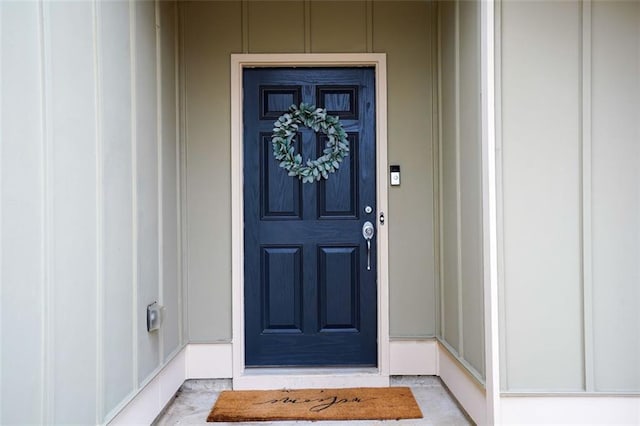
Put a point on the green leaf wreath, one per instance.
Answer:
(285, 131)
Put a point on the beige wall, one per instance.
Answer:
(461, 292)
(570, 298)
(211, 31)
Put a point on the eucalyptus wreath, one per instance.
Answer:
(285, 130)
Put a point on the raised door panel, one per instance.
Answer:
(280, 195)
(338, 196)
(339, 288)
(282, 290)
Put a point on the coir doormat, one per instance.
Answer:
(316, 404)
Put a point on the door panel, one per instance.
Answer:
(339, 288)
(309, 298)
(280, 195)
(338, 196)
(282, 284)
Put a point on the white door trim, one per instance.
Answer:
(242, 378)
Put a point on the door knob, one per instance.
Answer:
(367, 232)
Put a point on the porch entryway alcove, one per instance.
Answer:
(511, 267)
(124, 130)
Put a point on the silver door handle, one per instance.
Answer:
(368, 232)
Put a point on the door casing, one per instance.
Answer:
(244, 379)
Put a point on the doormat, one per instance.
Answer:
(316, 404)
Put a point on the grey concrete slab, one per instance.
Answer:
(195, 399)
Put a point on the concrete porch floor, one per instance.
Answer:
(195, 399)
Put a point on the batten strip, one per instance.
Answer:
(440, 176)
(100, 292)
(436, 137)
(178, 165)
(134, 194)
(48, 343)
(182, 129)
(244, 6)
(1, 233)
(586, 154)
(307, 26)
(159, 170)
(501, 290)
(369, 25)
(458, 182)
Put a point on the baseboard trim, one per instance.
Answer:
(194, 361)
(209, 360)
(413, 357)
(463, 385)
(557, 409)
(151, 399)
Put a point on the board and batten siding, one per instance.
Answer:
(89, 205)
(461, 320)
(210, 33)
(570, 158)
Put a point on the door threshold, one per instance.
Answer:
(309, 378)
(310, 370)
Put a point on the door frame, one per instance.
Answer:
(308, 377)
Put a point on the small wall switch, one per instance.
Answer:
(395, 175)
(154, 317)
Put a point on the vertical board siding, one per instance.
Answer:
(115, 48)
(147, 183)
(471, 278)
(170, 292)
(211, 33)
(214, 30)
(549, 157)
(21, 219)
(402, 30)
(541, 170)
(67, 193)
(74, 210)
(273, 26)
(461, 286)
(350, 17)
(615, 205)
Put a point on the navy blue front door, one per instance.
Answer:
(309, 293)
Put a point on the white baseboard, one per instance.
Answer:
(469, 393)
(578, 410)
(152, 398)
(194, 361)
(207, 361)
(413, 357)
